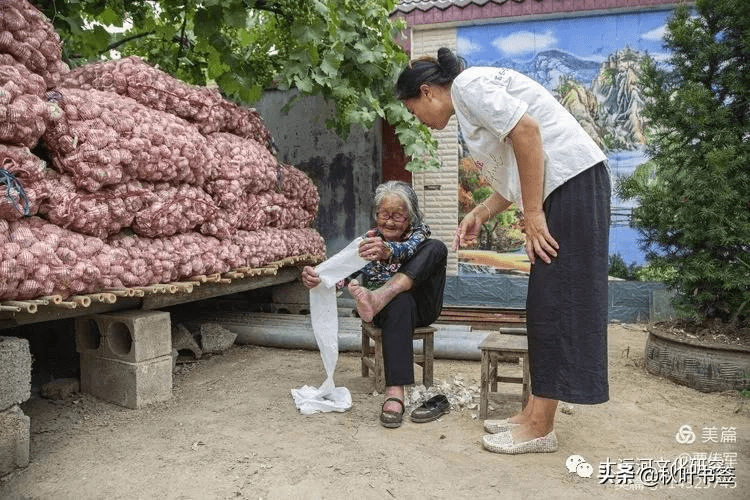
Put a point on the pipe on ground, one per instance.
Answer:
(450, 342)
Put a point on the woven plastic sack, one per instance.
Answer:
(27, 35)
(204, 107)
(24, 113)
(22, 191)
(103, 139)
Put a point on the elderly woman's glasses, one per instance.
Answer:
(384, 216)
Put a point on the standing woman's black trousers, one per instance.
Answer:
(567, 301)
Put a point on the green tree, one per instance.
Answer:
(694, 211)
(344, 50)
(619, 269)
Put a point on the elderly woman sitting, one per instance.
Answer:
(402, 286)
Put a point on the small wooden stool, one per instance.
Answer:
(498, 347)
(372, 354)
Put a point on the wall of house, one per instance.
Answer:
(345, 172)
(438, 190)
(589, 58)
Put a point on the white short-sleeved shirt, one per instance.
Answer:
(489, 102)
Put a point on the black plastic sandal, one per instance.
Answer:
(392, 419)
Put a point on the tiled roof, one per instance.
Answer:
(425, 5)
(418, 12)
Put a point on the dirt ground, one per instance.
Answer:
(231, 430)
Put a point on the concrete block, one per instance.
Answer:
(132, 385)
(14, 440)
(131, 336)
(15, 371)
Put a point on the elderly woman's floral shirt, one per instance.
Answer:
(377, 272)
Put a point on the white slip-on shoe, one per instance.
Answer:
(503, 443)
(497, 426)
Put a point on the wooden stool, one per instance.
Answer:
(372, 354)
(495, 347)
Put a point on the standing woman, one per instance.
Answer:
(536, 155)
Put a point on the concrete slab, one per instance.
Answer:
(291, 293)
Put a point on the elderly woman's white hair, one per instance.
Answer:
(404, 191)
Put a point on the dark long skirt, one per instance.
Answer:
(567, 300)
(419, 306)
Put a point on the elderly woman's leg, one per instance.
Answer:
(397, 321)
(415, 298)
(427, 270)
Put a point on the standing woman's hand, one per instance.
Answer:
(539, 242)
(467, 232)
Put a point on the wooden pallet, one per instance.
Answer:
(155, 296)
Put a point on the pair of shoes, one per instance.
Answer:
(392, 419)
(432, 409)
(504, 443)
(498, 426)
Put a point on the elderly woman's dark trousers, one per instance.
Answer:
(419, 306)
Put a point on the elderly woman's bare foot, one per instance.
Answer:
(368, 304)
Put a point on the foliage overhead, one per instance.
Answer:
(694, 193)
(343, 50)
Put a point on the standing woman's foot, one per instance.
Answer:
(509, 443)
(507, 424)
(498, 426)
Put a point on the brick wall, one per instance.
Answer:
(438, 190)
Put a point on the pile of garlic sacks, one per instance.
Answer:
(152, 180)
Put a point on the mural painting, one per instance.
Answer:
(591, 65)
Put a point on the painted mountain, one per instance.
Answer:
(616, 88)
(604, 97)
(550, 67)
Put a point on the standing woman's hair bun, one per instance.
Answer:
(440, 71)
(450, 64)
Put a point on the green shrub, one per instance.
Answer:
(694, 194)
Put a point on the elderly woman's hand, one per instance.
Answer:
(309, 277)
(374, 247)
